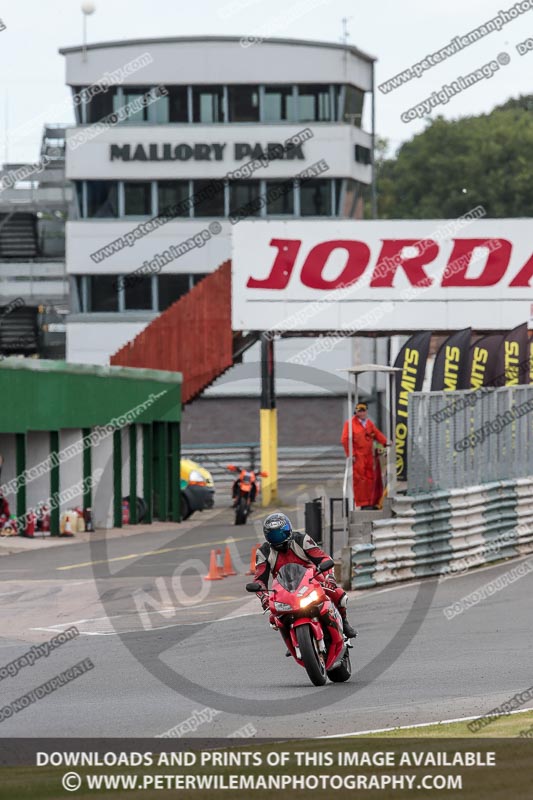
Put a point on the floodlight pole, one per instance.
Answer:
(347, 489)
(87, 8)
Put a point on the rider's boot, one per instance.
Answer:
(347, 629)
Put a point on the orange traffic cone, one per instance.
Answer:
(212, 575)
(228, 566)
(251, 571)
(220, 567)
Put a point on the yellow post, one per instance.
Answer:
(274, 455)
(268, 419)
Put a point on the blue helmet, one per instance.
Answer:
(278, 530)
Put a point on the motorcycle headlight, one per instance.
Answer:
(282, 606)
(311, 598)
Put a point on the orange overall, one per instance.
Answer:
(363, 458)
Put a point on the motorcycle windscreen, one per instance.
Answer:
(290, 576)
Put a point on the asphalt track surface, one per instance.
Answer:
(165, 644)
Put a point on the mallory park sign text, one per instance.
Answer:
(204, 152)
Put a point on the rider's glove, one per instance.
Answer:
(264, 601)
(330, 582)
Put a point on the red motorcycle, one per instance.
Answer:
(245, 489)
(309, 622)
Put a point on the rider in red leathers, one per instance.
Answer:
(285, 546)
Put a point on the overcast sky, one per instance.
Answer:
(398, 32)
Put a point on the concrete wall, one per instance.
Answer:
(71, 470)
(102, 458)
(140, 452)
(9, 471)
(125, 462)
(301, 421)
(324, 374)
(94, 343)
(37, 450)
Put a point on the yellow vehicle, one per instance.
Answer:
(197, 488)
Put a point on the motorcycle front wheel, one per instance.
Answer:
(241, 512)
(313, 661)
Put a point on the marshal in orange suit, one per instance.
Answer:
(363, 434)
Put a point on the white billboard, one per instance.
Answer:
(382, 275)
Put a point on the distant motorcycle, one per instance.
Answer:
(245, 489)
(309, 622)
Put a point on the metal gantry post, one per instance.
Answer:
(20, 444)
(132, 434)
(117, 478)
(175, 490)
(54, 483)
(87, 469)
(268, 422)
